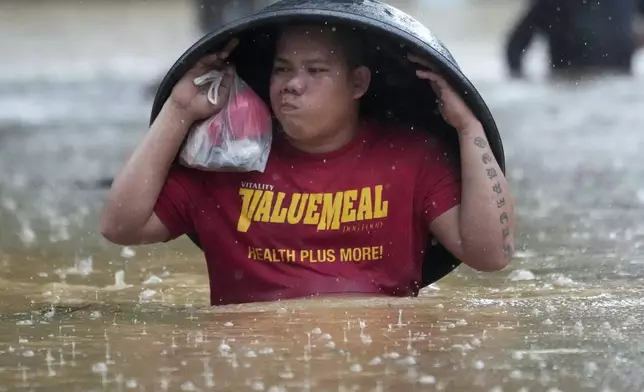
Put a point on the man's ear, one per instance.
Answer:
(361, 79)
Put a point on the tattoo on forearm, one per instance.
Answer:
(503, 218)
(491, 173)
(508, 248)
(497, 188)
(480, 142)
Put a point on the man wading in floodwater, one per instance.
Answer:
(344, 207)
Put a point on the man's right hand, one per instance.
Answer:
(191, 99)
(128, 216)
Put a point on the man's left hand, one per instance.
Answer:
(452, 107)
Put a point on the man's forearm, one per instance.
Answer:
(135, 189)
(487, 211)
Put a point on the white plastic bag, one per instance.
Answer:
(238, 138)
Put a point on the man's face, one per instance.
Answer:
(312, 90)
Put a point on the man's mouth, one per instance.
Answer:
(288, 106)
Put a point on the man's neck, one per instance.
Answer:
(331, 142)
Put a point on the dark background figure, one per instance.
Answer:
(212, 14)
(583, 36)
(215, 13)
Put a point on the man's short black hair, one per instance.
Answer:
(347, 38)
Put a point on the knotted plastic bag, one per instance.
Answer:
(238, 138)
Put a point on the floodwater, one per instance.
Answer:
(79, 314)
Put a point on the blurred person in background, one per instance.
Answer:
(212, 14)
(584, 37)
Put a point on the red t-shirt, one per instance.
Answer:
(355, 220)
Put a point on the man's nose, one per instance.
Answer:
(295, 84)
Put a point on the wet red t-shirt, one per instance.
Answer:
(350, 221)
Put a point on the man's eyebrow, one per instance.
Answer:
(308, 61)
(316, 60)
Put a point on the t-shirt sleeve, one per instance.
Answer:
(174, 205)
(438, 186)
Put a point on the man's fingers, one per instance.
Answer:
(426, 74)
(209, 60)
(217, 60)
(419, 60)
(230, 46)
(429, 74)
(437, 82)
(226, 84)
